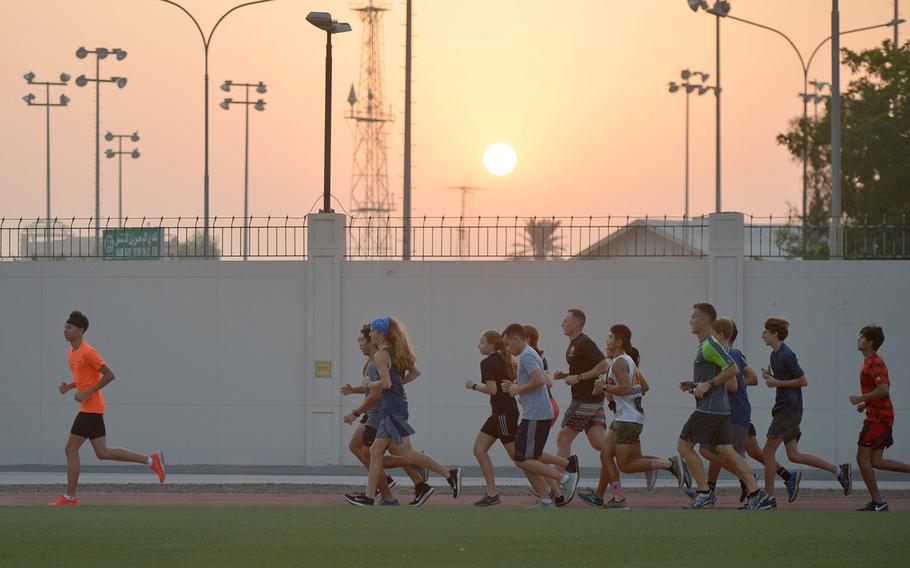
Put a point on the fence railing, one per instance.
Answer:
(446, 238)
(868, 238)
(158, 237)
(499, 238)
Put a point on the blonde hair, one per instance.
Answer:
(403, 352)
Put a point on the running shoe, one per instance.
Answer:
(792, 484)
(62, 501)
(650, 479)
(542, 505)
(845, 476)
(676, 470)
(614, 503)
(388, 503)
(390, 481)
(455, 482)
(569, 486)
(702, 500)
(591, 499)
(687, 478)
(761, 501)
(360, 501)
(488, 501)
(875, 507)
(158, 465)
(421, 493)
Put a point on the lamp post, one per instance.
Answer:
(324, 21)
(81, 81)
(119, 153)
(722, 10)
(47, 104)
(688, 87)
(259, 105)
(206, 42)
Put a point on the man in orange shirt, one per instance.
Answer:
(90, 375)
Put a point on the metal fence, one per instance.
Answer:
(504, 238)
(159, 237)
(446, 238)
(868, 238)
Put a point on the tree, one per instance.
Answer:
(541, 239)
(875, 156)
(191, 246)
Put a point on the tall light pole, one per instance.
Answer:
(719, 10)
(119, 153)
(406, 193)
(47, 104)
(259, 105)
(324, 21)
(834, 239)
(206, 42)
(687, 88)
(81, 81)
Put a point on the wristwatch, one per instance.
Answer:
(355, 413)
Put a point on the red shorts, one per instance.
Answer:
(875, 435)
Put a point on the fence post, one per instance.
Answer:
(726, 252)
(322, 370)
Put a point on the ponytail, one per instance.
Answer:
(494, 338)
(624, 334)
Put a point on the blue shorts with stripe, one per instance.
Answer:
(395, 427)
(531, 439)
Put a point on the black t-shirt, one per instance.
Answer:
(493, 368)
(583, 355)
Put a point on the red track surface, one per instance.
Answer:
(441, 499)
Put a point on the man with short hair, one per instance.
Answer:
(710, 423)
(876, 435)
(90, 375)
(536, 413)
(586, 364)
(785, 375)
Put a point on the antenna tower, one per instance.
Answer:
(370, 198)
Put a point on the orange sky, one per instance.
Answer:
(577, 87)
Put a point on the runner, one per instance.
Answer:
(535, 421)
(625, 386)
(90, 375)
(503, 421)
(394, 357)
(785, 375)
(365, 433)
(876, 435)
(710, 423)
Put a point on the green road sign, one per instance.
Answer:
(141, 243)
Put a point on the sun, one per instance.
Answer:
(500, 159)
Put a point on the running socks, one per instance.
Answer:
(783, 473)
(148, 461)
(616, 489)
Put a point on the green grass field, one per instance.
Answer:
(432, 537)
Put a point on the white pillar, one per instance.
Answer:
(325, 253)
(725, 266)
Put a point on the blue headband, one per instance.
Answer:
(381, 324)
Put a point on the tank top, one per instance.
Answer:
(394, 401)
(373, 375)
(628, 407)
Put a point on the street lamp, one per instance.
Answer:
(723, 11)
(259, 105)
(81, 81)
(324, 21)
(47, 104)
(119, 153)
(206, 42)
(720, 10)
(688, 88)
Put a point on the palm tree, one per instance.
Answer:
(542, 239)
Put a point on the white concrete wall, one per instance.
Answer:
(209, 358)
(212, 367)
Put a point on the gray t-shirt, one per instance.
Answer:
(711, 359)
(535, 405)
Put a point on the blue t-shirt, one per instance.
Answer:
(535, 405)
(740, 408)
(785, 367)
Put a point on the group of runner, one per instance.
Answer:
(514, 373)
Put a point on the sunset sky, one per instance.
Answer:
(578, 88)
